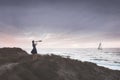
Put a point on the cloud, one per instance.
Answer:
(61, 21)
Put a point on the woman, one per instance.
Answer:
(34, 50)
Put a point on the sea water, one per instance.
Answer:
(109, 57)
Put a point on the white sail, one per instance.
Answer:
(100, 46)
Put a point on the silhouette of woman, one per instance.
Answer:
(34, 50)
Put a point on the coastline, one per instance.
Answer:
(17, 64)
(86, 54)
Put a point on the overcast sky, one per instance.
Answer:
(60, 23)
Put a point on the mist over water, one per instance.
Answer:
(109, 57)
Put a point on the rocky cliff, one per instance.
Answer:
(50, 67)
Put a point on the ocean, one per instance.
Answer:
(108, 57)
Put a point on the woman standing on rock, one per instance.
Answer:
(34, 50)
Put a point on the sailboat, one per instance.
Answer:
(100, 46)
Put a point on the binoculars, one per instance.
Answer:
(39, 41)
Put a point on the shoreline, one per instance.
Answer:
(69, 52)
(15, 63)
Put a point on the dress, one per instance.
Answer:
(34, 50)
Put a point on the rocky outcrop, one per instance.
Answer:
(6, 67)
(11, 55)
(12, 52)
(52, 67)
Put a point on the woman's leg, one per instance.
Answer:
(35, 56)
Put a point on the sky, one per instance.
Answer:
(60, 23)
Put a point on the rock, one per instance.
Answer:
(7, 67)
(11, 55)
(12, 52)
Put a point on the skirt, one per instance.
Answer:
(34, 51)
